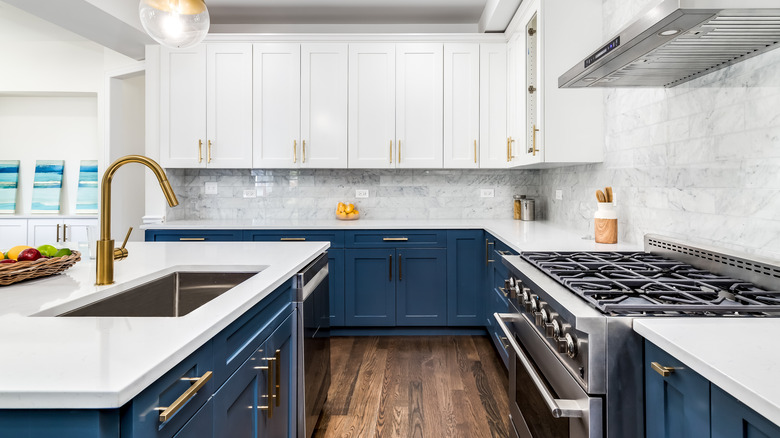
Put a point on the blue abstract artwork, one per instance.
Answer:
(87, 197)
(47, 186)
(9, 181)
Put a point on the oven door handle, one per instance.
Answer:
(559, 408)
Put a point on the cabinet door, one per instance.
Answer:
(530, 146)
(200, 425)
(280, 345)
(276, 105)
(78, 230)
(336, 286)
(229, 105)
(419, 101)
(44, 232)
(183, 141)
(421, 288)
(12, 232)
(461, 106)
(370, 287)
(324, 106)
(676, 406)
(241, 404)
(371, 105)
(732, 419)
(493, 106)
(466, 269)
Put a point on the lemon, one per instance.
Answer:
(13, 253)
(2, 256)
(47, 250)
(62, 252)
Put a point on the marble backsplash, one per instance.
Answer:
(700, 161)
(314, 193)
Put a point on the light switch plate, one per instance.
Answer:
(361, 193)
(251, 193)
(558, 195)
(487, 193)
(211, 188)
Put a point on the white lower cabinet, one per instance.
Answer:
(53, 231)
(12, 232)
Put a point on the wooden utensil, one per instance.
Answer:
(609, 194)
(600, 196)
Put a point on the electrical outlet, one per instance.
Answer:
(252, 193)
(211, 188)
(361, 193)
(487, 193)
(558, 195)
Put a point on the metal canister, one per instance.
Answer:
(526, 209)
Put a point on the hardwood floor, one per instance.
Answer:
(415, 386)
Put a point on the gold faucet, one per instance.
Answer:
(106, 253)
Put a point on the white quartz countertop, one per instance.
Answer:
(89, 362)
(519, 235)
(735, 354)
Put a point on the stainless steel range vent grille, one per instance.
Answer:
(711, 46)
(762, 273)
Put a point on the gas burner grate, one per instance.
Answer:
(638, 283)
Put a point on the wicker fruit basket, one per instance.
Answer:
(14, 272)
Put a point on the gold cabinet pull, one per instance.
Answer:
(511, 140)
(200, 151)
(278, 362)
(58, 232)
(662, 370)
(399, 151)
(400, 271)
(191, 239)
(168, 412)
(508, 149)
(503, 291)
(533, 149)
(395, 239)
(475, 151)
(64, 232)
(390, 271)
(295, 151)
(208, 153)
(391, 151)
(304, 150)
(292, 239)
(487, 252)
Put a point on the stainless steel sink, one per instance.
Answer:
(175, 295)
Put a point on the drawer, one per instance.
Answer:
(193, 235)
(234, 344)
(498, 302)
(336, 238)
(396, 238)
(140, 416)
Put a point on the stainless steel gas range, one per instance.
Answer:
(576, 365)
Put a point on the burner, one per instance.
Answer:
(638, 283)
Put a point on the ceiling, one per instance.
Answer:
(345, 11)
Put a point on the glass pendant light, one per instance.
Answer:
(175, 23)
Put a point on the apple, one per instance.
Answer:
(29, 254)
(8, 261)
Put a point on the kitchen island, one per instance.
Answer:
(104, 362)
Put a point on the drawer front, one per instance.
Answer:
(336, 238)
(193, 235)
(396, 239)
(234, 344)
(141, 418)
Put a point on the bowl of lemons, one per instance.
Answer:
(347, 212)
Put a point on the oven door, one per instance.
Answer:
(545, 401)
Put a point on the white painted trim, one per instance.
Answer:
(357, 38)
(332, 28)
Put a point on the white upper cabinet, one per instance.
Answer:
(276, 105)
(553, 126)
(372, 105)
(493, 144)
(461, 105)
(419, 101)
(323, 106)
(206, 106)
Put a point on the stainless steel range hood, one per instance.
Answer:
(680, 40)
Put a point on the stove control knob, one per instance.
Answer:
(511, 282)
(516, 291)
(525, 295)
(571, 345)
(553, 329)
(532, 305)
(542, 317)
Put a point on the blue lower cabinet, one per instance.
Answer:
(194, 235)
(200, 425)
(466, 268)
(676, 405)
(369, 291)
(732, 419)
(421, 287)
(59, 423)
(258, 399)
(336, 286)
